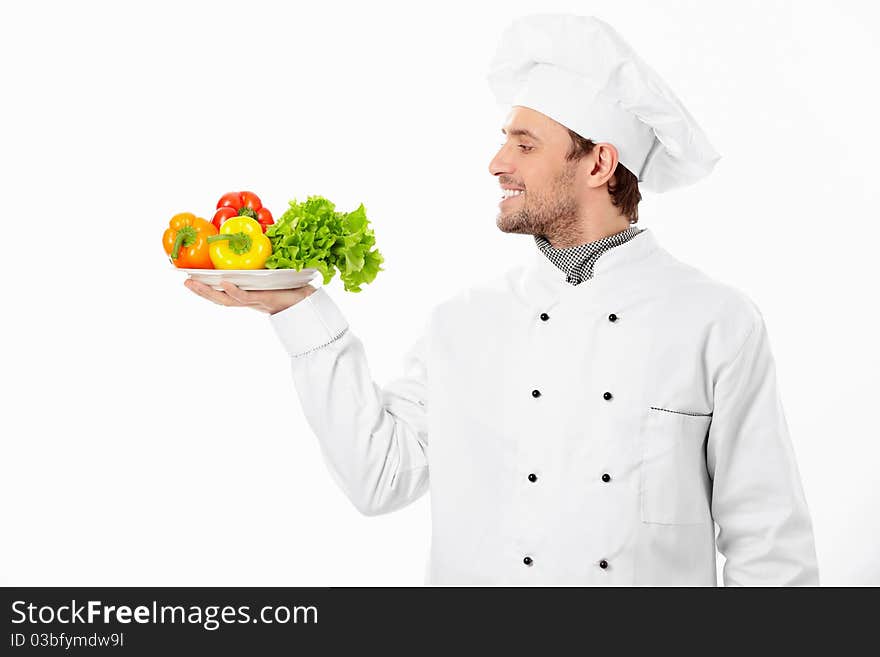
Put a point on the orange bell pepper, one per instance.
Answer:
(186, 241)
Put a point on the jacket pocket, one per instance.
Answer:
(674, 483)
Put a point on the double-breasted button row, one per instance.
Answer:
(532, 477)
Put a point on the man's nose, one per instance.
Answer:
(499, 164)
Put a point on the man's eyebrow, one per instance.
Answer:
(517, 132)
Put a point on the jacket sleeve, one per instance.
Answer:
(765, 531)
(373, 439)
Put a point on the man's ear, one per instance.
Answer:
(605, 160)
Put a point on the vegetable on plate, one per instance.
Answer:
(242, 204)
(314, 235)
(240, 244)
(186, 241)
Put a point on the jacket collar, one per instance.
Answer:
(577, 261)
(544, 284)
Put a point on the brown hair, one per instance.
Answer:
(623, 186)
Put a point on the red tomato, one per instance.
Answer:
(242, 204)
(222, 215)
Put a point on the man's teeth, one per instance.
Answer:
(507, 193)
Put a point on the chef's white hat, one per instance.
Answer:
(578, 71)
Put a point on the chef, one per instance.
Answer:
(588, 417)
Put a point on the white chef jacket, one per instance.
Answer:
(571, 435)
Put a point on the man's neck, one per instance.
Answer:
(585, 236)
(588, 230)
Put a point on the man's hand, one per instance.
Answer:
(267, 301)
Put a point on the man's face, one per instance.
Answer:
(532, 159)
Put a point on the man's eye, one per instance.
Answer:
(525, 148)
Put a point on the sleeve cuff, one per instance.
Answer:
(314, 322)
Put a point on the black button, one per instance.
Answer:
(606, 477)
(545, 316)
(533, 478)
(603, 564)
(607, 395)
(536, 393)
(612, 317)
(527, 561)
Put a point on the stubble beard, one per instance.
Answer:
(554, 213)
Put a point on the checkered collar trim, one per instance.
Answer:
(577, 261)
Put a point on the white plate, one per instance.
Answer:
(253, 279)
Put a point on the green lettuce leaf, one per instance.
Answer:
(314, 235)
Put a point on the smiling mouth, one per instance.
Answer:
(507, 196)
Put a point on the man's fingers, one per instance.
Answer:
(210, 293)
(237, 293)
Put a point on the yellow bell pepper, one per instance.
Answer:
(241, 244)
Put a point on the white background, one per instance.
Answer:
(152, 438)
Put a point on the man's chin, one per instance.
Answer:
(507, 224)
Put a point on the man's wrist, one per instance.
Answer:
(306, 291)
